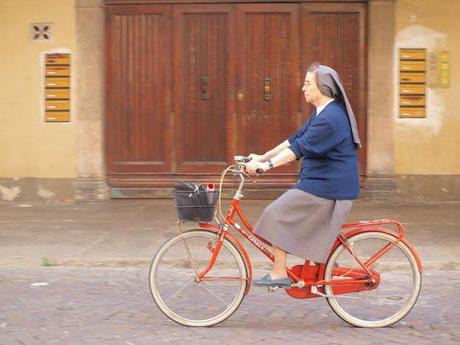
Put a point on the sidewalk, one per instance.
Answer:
(125, 233)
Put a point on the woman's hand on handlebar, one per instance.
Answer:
(256, 157)
(254, 167)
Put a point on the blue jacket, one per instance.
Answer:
(330, 164)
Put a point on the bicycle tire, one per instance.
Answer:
(187, 321)
(335, 303)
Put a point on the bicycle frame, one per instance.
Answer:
(307, 275)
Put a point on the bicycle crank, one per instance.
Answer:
(301, 284)
(272, 288)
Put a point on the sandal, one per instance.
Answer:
(268, 281)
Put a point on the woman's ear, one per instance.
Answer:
(326, 91)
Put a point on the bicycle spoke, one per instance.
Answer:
(187, 250)
(180, 289)
(212, 293)
(383, 270)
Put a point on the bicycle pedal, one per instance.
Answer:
(272, 288)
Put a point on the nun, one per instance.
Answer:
(306, 220)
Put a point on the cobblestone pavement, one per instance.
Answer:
(64, 305)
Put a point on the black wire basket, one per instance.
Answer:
(194, 202)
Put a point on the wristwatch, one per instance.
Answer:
(270, 164)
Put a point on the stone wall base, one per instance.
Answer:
(412, 188)
(33, 189)
(90, 189)
(52, 189)
(408, 188)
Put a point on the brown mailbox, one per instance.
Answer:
(416, 66)
(412, 78)
(57, 105)
(412, 101)
(57, 59)
(57, 87)
(412, 112)
(57, 116)
(412, 81)
(55, 82)
(57, 71)
(412, 89)
(412, 54)
(57, 93)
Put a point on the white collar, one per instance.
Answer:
(321, 107)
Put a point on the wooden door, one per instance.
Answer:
(268, 77)
(335, 35)
(189, 86)
(138, 122)
(204, 79)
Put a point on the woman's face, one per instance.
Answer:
(310, 88)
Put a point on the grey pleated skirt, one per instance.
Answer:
(303, 224)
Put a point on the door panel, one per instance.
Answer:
(268, 86)
(138, 103)
(335, 36)
(204, 75)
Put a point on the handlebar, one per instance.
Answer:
(237, 169)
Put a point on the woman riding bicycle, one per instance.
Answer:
(306, 220)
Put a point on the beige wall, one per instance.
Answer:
(431, 145)
(29, 147)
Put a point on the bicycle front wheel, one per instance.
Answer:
(178, 293)
(397, 288)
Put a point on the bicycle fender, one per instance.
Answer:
(234, 241)
(383, 230)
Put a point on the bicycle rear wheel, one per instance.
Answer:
(391, 298)
(195, 303)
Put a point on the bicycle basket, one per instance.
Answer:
(194, 202)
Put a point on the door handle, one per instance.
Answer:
(267, 89)
(204, 88)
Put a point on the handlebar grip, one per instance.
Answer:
(242, 159)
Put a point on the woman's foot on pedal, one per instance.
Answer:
(268, 281)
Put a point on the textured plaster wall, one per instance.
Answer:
(29, 147)
(429, 146)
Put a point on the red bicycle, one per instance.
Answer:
(372, 277)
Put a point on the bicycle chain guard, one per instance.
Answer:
(310, 273)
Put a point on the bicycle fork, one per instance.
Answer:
(215, 252)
